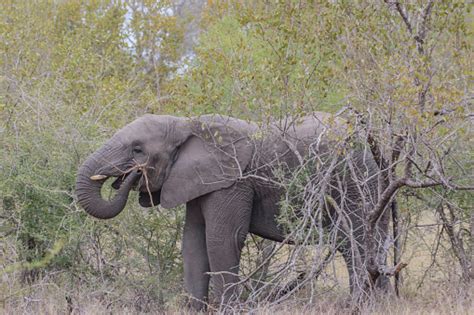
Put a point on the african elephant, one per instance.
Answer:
(219, 167)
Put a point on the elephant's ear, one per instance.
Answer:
(213, 157)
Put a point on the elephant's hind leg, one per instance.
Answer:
(227, 213)
(196, 263)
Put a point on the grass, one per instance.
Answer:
(47, 297)
(429, 287)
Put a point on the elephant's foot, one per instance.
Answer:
(196, 305)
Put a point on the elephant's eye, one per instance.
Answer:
(137, 150)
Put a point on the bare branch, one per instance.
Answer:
(403, 14)
(424, 20)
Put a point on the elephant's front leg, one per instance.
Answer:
(227, 214)
(196, 263)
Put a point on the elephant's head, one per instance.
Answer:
(170, 160)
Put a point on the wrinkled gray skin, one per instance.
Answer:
(205, 163)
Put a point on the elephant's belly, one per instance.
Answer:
(264, 213)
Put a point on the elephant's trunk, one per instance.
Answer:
(88, 190)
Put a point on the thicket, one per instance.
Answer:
(72, 72)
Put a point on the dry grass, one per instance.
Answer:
(435, 301)
(52, 296)
(48, 298)
(429, 287)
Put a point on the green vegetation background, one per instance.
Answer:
(72, 72)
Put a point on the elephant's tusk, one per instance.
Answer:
(98, 177)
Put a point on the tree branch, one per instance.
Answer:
(403, 14)
(424, 20)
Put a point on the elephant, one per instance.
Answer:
(222, 169)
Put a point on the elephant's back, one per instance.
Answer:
(318, 124)
(317, 130)
(244, 127)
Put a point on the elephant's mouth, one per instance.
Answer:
(146, 198)
(119, 181)
(149, 199)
